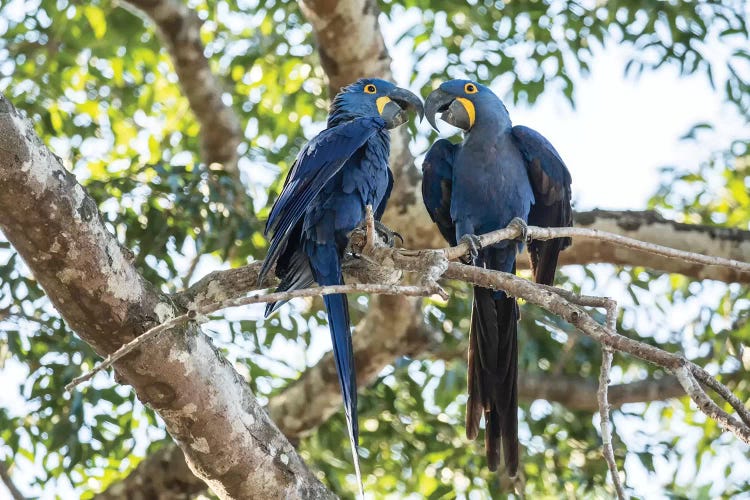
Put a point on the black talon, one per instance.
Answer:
(475, 245)
(387, 235)
(522, 227)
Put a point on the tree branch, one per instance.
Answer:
(179, 27)
(199, 315)
(558, 305)
(649, 226)
(8, 482)
(617, 240)
(227, 437)
(607, 450)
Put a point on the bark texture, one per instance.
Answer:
(651, 227)
(227, 438)
(356, 21)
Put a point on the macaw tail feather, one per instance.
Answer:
(341, 338)
(295, 273)
(544, 253)
(493, 376)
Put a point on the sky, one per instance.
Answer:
(620, 133)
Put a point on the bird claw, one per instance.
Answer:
(522, 227)
(475, 245)
(387, 235)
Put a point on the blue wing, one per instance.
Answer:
(437, 184)
(381, 208)
(550, 181)
(319, 160)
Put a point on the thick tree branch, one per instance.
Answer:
(649, 226)
(179, 27)
(228, 439)
(356, 22)
(163, 475)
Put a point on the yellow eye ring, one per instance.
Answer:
(470, 88)
(370, 89)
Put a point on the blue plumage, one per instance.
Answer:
(335, 176)
(498, 173)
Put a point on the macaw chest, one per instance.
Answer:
(366, 174)
(490, 185)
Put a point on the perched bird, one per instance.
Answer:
(335, 176)
(499, 174)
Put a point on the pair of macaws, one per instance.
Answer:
(498, 174)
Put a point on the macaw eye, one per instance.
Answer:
(370, 89)
(470, 88)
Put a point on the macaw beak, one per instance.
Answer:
(457, 111)
(394, 108)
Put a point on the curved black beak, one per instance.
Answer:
(453, 112)
(396, 110)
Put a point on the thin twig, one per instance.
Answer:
(8, 482)
(370, 238)
(191, 269)
(194, 314)
(548, 233)
(707, 405)
(705, 378)
(556, 303)
(607, 450)
(434, 264)
(607, 355)
(4, 313)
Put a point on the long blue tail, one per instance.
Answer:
(326, 267)
(341, 338)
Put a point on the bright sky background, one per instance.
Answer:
(614, 142)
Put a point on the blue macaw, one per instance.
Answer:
(335, 176)
(499, 174)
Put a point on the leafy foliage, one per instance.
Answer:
(100, 87)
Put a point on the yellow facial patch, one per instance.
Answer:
(469, 107)
(381, 102)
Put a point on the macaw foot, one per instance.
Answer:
(475, 245)
(522, 227)
(387, 235)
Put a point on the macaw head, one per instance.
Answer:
(464, 103)
(374, 97)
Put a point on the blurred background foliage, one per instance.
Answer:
(100, 87)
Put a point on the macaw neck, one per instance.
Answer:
(340, 115)
(339, 118)
(489, 128)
